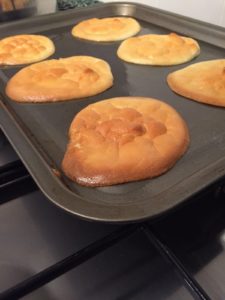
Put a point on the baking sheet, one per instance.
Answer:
(38, 132)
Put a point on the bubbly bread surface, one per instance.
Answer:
(106, 29)
(124, 139)
(202, 82)
(155, 49)
(62, 79)
(25, 49)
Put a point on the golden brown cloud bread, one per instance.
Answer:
(155, 49)
(62, 79)
(106, 29)
(203, 82)
(124, 139)
(25, 49)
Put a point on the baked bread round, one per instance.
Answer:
(25, 49)
(60, 79)
(161, 50)
(106, 29)
(203, 82)
(124, 139)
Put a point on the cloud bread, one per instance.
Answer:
(106, 29)
(60, 79)
(124, 139)
(155, 49)
(203, 82)
(25, 49)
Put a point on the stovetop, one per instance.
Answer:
(49, 254)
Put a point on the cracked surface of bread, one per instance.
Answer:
(62, 79)
(203, 82)
(106, 29)
(124, 139)
(25, 49)
(155, 49)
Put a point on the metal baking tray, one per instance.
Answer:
(38, 132)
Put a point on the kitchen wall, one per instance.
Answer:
(212, 11)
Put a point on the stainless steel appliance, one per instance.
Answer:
(47, 253)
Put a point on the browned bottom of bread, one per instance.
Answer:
(124, 139)
(60, 79)
(203, 82)
(106, 29)
(25, 49)
(158, 49)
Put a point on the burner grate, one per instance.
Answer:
(16, 181)
(67, 264)
(83, 255)
(169, 255)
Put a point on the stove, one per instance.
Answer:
(49, 254)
